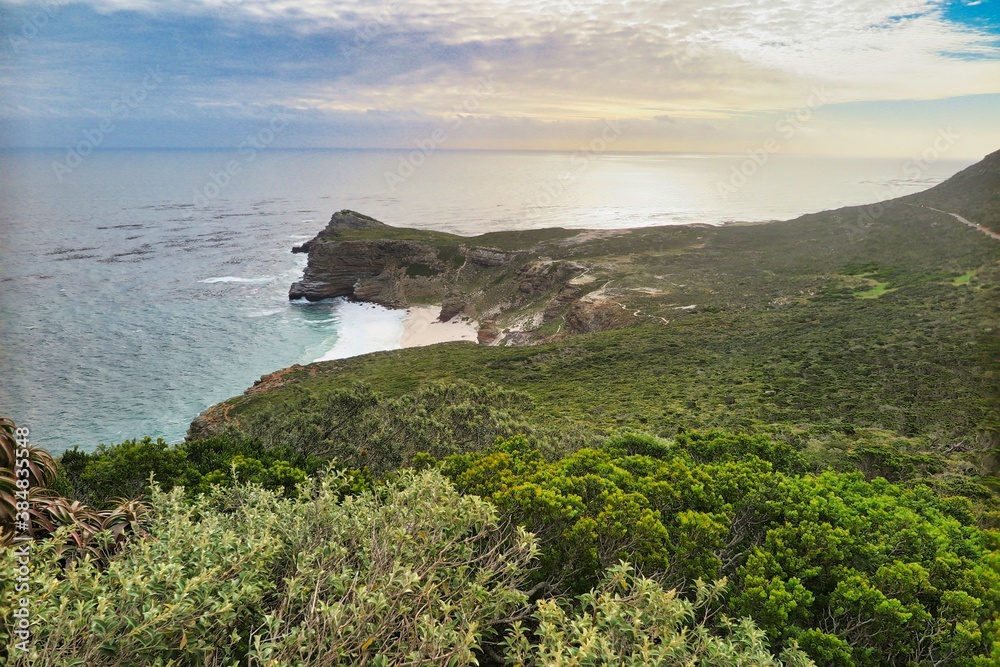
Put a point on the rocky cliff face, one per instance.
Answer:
(520, 296)
(384, 271)
(367, 270)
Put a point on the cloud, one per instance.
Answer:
(561, 64)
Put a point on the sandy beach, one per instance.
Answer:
(421, 327)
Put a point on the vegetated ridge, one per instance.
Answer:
(879, 317)
(768, 444)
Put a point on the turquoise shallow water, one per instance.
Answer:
(147, 285)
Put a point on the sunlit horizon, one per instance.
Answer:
(853, 79)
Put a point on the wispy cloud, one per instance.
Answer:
(718, 72)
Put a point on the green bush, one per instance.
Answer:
(191, 593)
(124, 469)
(410, 572)
(413, 573)
(719, 446)
(894, 576)
(861, 573)
(632, 622)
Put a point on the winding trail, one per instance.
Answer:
(984, 230)
(639, 313)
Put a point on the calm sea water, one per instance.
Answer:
(145, 286)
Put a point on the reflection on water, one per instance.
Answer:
(125, 308)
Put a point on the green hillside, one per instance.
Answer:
(761, 444)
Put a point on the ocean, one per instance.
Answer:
(138, 287)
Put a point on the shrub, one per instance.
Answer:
(364, 429)
(124, 469)
(98, 477)
(632, 622)
(410, 572)
(190, 593)
(413, 574)
(856, 572)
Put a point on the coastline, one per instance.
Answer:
(367, 327)
(421, 327)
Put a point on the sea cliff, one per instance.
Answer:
(509, 282)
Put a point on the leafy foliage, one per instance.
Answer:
(891, 576)
(411, 574)
(26, 474)
(363, 429)
(408, 573)
(125, 468)
(631, 621)
(856, 572)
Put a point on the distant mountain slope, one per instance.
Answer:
(973, 193)
(880, 317)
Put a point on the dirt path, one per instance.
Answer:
(984, 230)
(639, 313)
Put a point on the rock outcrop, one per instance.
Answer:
(488, 332)
(592, 315)
(338, 268)
(543, 275)
(453, 306)
(481, 256)
(517, 295)
(376, 270)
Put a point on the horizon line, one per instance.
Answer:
(404, 149)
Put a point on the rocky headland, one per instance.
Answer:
(839, 315)
(531, 286)
(512, 286)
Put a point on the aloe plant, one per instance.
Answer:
(97, 533)
(40, 464)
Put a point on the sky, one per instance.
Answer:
(862, 78)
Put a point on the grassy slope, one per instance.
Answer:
(778, 339)
(973, 193)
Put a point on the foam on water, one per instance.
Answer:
(102, 339)
(263, 280)
(267, 312)
(365, 328)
